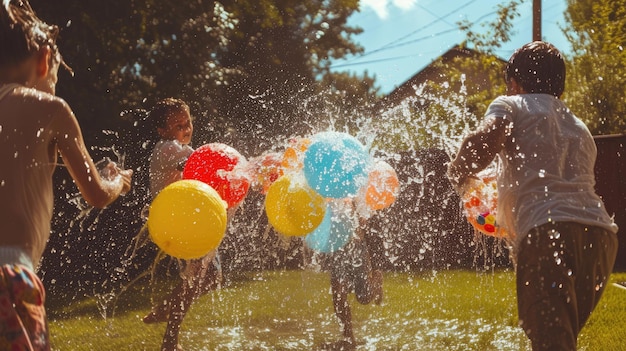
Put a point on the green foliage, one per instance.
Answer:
(247, 68)
(493, 34)
(597, 67)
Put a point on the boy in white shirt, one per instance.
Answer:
(563, 241)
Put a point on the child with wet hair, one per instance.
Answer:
(172, 121)
(563, 241)
(35, 127)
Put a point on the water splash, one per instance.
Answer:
(423, 231)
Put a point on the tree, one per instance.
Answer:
(597, 67)
(127, 54)
(282, 48)
(247, 68)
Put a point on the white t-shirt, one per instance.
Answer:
(165, 163)
(548, 166)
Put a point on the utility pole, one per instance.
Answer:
(536, 20)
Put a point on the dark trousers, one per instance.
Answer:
(562, 270)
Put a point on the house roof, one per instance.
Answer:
(427, 73)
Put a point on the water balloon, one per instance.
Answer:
(265, 170)
(219, 166)
(479, 203)
(336, 229)
(382, 186)
(187, 219)
(292, 208)
(335, 164)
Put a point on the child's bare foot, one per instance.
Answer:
(176, 348)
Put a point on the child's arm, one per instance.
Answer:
(97, 191)
(477, 151)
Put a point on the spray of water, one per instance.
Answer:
(424, 230)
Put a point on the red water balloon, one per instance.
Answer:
(221, 167)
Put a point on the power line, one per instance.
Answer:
(372, 61)
(399, 42)
(421, 38)
(348, 64)
(386, 46)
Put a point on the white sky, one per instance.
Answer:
(380, 7)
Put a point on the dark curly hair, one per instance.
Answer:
(538, 67)
(165, 108)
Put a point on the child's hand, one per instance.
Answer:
(109, 171)
(112, 172)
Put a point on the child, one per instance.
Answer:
(35, 126)
(351, 271)
(564, 243)
(199, 276)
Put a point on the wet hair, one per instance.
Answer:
(165, 108)
(22, 34)
(538, 67)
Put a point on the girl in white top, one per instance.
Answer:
(174, 125)
(167, 162)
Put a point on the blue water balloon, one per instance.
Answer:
(336, 164)
(332, 234)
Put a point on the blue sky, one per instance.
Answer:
(401, 37)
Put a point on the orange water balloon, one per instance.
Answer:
(382, 186)
(294, 153)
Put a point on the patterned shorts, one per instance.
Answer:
(22, 315)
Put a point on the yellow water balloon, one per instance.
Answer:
(293, 208)
(187, 219)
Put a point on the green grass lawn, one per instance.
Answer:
(292, 310)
